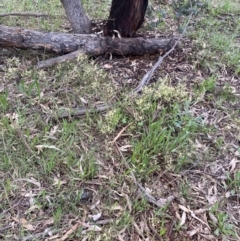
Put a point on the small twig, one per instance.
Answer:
(120, 133)
(4, 228)
(39, 235)
(26, 14)
(158, 237)
(1, 214)
(19, 224)
(82, 111)
(105, 221)
(230, 14)
(19, 133)
(5, 146)
(159, 203)
(146, 78)
(195, 217)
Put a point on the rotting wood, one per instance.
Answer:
(90, 44)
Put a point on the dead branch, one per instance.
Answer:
(147, 77)
(82, 111)
(159, 203)
(51, 62)
(26, 14)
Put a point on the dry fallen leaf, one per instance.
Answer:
(107, 66)
(48, 221)
(125, 148)
(24, 223)
(41, 147)
(83, 100)
(183, 208)
(53, 130)
(95, 205)
(233, 164)
(69, 232)
(58, 182)
(96, 216)
(183, 219)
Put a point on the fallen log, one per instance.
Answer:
(90, 44)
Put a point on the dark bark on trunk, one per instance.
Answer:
(126, 16)
(79, 21)
(90, 44)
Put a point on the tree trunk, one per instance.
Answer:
(79, 21)
(126, 16)
(90, 44)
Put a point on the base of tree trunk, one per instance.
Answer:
(90, 44)
(126, 17)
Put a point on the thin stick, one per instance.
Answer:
(16, 204)
(146, 78)
(21, 136)
(26, 14)
(120, 133)
(39, 235)
(159, 203)
(83, 111)
(51, 62)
